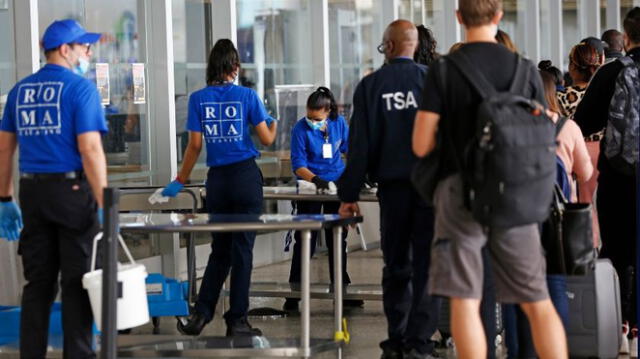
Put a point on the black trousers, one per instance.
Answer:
(231, 189)
(59, 226)
(407, 229)
(617, 216)
(310, 207)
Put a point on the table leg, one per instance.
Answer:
(191, 269)
(304, 293)
(337, 286)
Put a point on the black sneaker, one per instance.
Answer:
(291, 305)
(241, 328)
(194, 325)
(390, 353)
(353, 303)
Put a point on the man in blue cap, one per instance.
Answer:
(55, 119)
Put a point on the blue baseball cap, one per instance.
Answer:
(65, 32)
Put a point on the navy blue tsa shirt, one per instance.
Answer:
(47, 111)
(223, 114)
(384, 109)
(307, 143)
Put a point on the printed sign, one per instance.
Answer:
(137, 70)
(38, 108)
(223, 121)
(102, 82)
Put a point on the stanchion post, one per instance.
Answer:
(108, 345)
(304, 292)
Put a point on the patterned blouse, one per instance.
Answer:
(569, 99)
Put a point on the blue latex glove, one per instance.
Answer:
(172, 189)
(100, 214)
(10, 221)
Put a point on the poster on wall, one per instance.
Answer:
(137, 70)
(102, 82)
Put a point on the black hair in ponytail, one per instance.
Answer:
(322, 99)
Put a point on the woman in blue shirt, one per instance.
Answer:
(317, 144)
(221, 114)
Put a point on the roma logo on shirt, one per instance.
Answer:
(38, 108)
(222, 121)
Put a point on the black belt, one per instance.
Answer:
(52, 176)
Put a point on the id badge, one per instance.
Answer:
(327, 150)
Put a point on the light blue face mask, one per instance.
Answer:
(82, 67)
(316, 125)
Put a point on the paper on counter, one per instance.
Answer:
(157, 197)
(306, 187)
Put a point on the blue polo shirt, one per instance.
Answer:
(223, 115)
(47, 111)
(306, 148)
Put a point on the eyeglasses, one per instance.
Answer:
(315, 119)
(86, 46)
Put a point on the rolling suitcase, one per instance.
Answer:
(595, 319)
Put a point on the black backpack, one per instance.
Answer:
(509, 167)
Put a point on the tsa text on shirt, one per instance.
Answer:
(399, 100)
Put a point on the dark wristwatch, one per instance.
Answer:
(6, 199)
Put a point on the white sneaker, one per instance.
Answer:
(624, 345)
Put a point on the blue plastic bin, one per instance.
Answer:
(167, 297)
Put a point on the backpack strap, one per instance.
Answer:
(478, 81)
(560, 124)
(520, 77)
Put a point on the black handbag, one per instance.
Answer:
(567, 237)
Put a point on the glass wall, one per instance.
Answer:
(545, 30)
(570, 29)
(353, 38)
(192, 42)
(625, 7)
(275, 44)
(429, 13)
(7, 56)
(118, 67)
(513, 23)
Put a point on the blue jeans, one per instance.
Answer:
(231, 189)
(518, 337)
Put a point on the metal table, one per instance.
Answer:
(291, 193)
(189, 223)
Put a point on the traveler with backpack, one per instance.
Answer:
(611, 103)
(495, 181)
(384, 107)
(573, 162)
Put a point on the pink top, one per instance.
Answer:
(572, 150)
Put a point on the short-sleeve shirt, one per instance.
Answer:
(307, 148)
(223, 114)
(457, 107)
(47, 111)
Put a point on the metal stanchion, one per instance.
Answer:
(108, 345)
(304, 294)
(337, 286)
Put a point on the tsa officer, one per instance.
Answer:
(317, 144)
(222, 113)
(55, 119)
(384, 108)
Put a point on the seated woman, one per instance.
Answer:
(317, 144)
